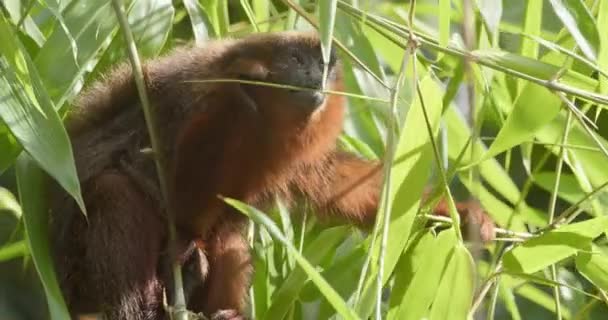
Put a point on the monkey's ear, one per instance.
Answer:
(248, 69)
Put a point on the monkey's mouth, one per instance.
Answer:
(310, 100)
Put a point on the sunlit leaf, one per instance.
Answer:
(327, 18)
(578, 20)
(535, 107)
(553, 246)
(455, 292)
(420, 277)
(593, 264)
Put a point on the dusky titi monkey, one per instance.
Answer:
(238, 140)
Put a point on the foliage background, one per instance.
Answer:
(534, 74)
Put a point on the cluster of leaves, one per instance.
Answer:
(425, 81)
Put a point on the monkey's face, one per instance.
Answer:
(288, 58)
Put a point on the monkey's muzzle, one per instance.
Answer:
(308, 99)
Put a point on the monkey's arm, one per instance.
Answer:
(344, 186)
(349, 187)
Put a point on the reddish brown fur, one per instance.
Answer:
(245, 142)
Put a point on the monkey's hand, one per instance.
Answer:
(475, 221)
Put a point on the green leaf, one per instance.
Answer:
(9, 146)
(15, 9)
(330, 294)
(9, 203)
(553, 246)
(409, 176)
(535, 68)
(569, 188)
(455, 292)
(31, 182)
(491, 12)
(417, 297)
(327, 17)
(580, 23)
(317, 250)
(199, 20)
(13, 250)
(535, 107)
(532, 26)
(444, 15)
(591, 162)
(93, 27)
(593, 264)
(29, 114)
(151, 23)
(602, 59)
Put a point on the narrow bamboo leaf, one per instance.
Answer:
(199, 20)
(455, 292)
(13, 250)
(525, 288)
(261, 8)
(342, 273)
(508, 297)
(593, 264)
(31, 182)
(580, 23)
(327, 17)
(9, 203)
(214, 10)
(30, 116)
(261, 285)
(249, 13)
(330, 294)
(491, 11)
(532, 26)
(9, 146)
(591, 161)
(553, 246)
(535, 107)
(93, 27)
(409, 176)
(151, 23)
(363, 121)
(602, 58)
(445, 12)
(563, 283)
(422, 289)
(540, 297)
(409, 265)
(211, 9)
(315, 251)
(15, 9)
(458, 135)
(569, 188)
(535, 68)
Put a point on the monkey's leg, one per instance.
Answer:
(225, 289)
(122, 244)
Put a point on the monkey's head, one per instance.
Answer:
(293, 59)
